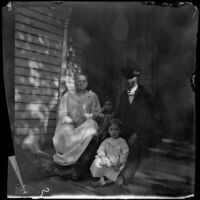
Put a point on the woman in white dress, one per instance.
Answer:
(76, 129)
(111, 156)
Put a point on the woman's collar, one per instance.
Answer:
(78, 98)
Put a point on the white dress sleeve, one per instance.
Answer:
(63, 116)
(96, 108)
(102, 149)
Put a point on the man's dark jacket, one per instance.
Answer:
(137, 116)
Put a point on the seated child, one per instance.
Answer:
(107, 114)
(111, 156)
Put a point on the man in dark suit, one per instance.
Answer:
(135, 111)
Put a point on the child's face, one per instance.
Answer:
(108, 106)
(114, 131)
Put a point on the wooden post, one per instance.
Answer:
(63, 68)
(62, 85)
(8, 23)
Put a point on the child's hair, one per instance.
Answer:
(115, 121)
(107, 98)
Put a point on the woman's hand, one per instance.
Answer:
(88, 115)
(99, 113)
(67, 120)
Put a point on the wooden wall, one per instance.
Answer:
(38, 48)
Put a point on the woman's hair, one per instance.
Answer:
(115, 121)
(80, 74)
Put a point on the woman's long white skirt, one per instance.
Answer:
(70, 142)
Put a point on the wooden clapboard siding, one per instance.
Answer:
(38, 82)
(21, 97)
(22, 53)
(25, 62)
(34, 123)
(40, 25)
(38, 50)
(34, 131)
(38, 32)
(48, 12)
(41, 17)
(32, 114)
(40, 41)
(44, 107)
(35, 90)
(60, 11)
(35, 73)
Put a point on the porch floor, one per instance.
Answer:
(161, 180)
(58, 186)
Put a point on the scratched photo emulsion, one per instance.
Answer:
(100, 98)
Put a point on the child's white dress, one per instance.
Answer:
(110, 152)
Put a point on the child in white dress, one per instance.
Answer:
(111, 155)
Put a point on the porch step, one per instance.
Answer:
(166, 173)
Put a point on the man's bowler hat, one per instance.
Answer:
(130, 70)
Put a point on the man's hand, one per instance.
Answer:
(132, 138)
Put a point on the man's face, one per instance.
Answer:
(132, 81)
